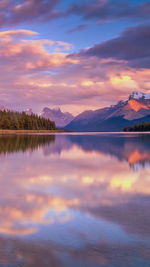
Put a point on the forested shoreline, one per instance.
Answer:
(142, 127)
(21, 121)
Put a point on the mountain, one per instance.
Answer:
(133, 110)
(28, 111)
(2, 108)
(135, 151)
(60, 118)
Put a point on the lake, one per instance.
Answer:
(75, 200)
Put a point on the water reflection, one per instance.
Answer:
(133, 148)
(15, 143)
(76, 200)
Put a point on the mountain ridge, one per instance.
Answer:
(61, 118)
(134, 109)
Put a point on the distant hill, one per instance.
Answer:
(131, 111)
(60, 118)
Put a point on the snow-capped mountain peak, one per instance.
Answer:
(138, 95)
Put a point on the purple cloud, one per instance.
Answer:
(108, 10)
(78, 28)
(132, 46)
(12, 13)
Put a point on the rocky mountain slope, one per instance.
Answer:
(128, 112)
(60, 118)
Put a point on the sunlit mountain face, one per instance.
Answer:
(135, 105)
(128, 112)
(75, 199)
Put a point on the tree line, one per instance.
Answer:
(21, 121)
(144, 126)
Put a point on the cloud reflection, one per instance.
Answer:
(68, 175)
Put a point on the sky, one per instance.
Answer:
(73, 54)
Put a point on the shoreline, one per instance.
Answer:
(7, 132)
(29, 131)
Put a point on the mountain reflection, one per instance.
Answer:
(75, 200)
(135, 149)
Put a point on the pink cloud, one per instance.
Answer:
(34, 74)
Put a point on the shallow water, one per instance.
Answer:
(75, 200)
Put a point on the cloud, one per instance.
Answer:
(16, 34)
(105, 253)
(29, 65)
(116, 194)
(29, 252)
(105, 11)
(42, 72)
(13, 13)
(27, 11)
(31, 54)
(78, 28)
(132, 46)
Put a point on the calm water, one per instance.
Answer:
(75, 200)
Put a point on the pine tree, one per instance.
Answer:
(15, 120)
